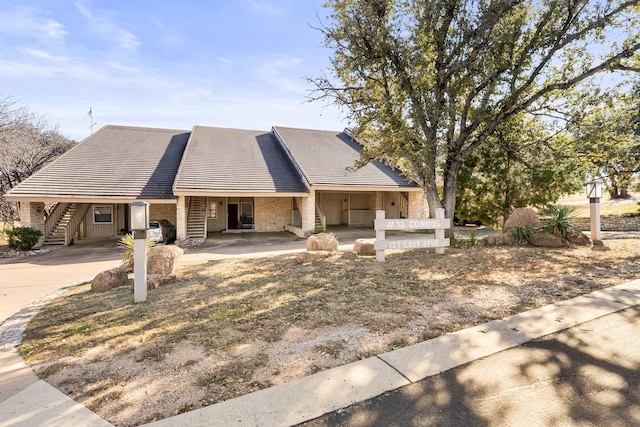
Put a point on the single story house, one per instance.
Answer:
(211, 180)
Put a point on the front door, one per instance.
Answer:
(232, 215)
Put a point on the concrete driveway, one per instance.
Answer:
(24, 281)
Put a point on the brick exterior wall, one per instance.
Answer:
(32, 215)
(308, 212)
(163, 211)
(181, 218)
(379, 201)
(611, 223)
(272, 213)
(418, 206)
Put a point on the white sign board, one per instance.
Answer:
(438, 241)
(411, 244)
(413, 224)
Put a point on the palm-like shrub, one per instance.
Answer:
(126, 244)
(558, 220)
(521, 233)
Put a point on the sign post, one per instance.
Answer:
(437, 241)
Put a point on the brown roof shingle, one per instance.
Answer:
(235, 160)
(325, 156)
(115, 162)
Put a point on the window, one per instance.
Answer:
(247, 209)
(103, 214)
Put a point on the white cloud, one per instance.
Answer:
(277, 73)
(264, 8)
(27, 22)
(103, 26)
(40, 54)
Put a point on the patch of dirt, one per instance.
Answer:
(227, 328)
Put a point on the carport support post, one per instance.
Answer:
(380, 236)
(139, 266)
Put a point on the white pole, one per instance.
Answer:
(139, 266)
(380, 236)
(594, 211)
(440, 232)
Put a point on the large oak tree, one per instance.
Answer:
(426, 83)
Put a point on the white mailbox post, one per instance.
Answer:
(139, 226)
(594, 193)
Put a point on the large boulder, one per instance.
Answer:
(322, 242)
(546, 240)
(157, 280)
(579, 238)
(522, 216)
(163, 260)
(364, 247)
(308, 256)
(499, 240)
(110, 279)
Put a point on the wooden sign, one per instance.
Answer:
(413, 224)
(438, 241)
(411, 244)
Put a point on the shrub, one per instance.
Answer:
(126, 243)
(521, 233)
(23, 238)
(474, 238)
(558, 220)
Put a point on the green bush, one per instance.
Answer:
(23, 238)
(558, 220)
(521, 233)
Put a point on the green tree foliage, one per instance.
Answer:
(522, 164)
(607, 142)
(27, 143)
(427, 83)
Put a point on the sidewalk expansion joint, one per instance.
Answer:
(395, 369)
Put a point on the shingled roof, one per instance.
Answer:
(116, 162)
(325, 156)
(228, 161)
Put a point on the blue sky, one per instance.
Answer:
(168, 64)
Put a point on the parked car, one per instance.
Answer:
(466, 222)
(162, 231)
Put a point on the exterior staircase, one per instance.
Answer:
(321, 220)
(63, 222)
(196, 218)
(318, 225)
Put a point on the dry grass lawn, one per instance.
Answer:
(227, 328)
